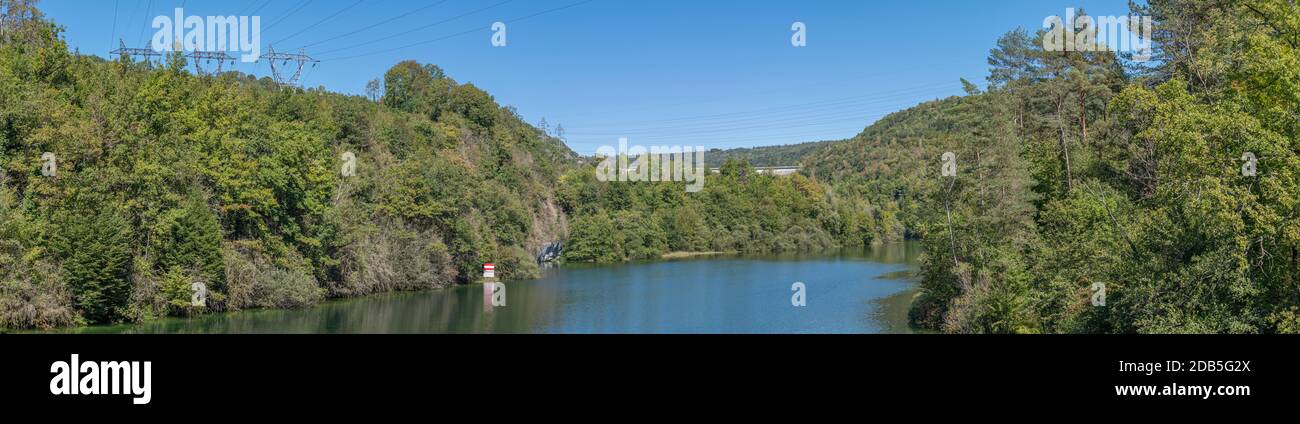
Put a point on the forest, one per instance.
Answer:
(123, 184)
(784, 155)
(738, 210)
(1170, 186)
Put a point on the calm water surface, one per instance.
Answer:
(849, 291)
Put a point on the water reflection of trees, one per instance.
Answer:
(532, 306)
(454, 310)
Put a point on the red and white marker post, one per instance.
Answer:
(489, 283)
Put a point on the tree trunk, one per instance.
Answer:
(1065, 148)
(1083, 116)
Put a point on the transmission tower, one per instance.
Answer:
(301, 59)
(148, 54)
(201, 57)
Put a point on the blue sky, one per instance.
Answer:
(712, 73)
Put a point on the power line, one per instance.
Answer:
(721, 131)
(247, 6)
(418, 28)
(463, 32)
(135, 10)
(259, 8)
(376, 24)
(146, 21)
(548, 11)
(772, 124)
(815, 105)
(755, 93)
(716, 142)
(803, 117)
(306, 74)
(291, 13)
(865, 120)
(113, 35)
(321, 21)
(469, 31)
(803, 106)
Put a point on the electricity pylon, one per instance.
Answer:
(199, 57)
(134, 52)
(301, 59)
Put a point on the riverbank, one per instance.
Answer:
(680, 255)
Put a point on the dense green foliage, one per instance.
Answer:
(737, 210)
(166, 179)
(783, 155)
(1079, 169)
(1075, 170)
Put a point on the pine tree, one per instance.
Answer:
(93, 243)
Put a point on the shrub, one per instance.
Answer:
(283, 288)
(32, 292)
(171, 293)
(254, 281)
(518, 264)
(392, 257)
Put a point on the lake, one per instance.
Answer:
(847, 291)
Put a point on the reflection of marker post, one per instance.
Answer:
(489, 283)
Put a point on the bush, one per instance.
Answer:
(284, 288)
(388, 257)
(253, 281)
(32, 293)
(518, 264)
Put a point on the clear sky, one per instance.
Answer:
(712, 73)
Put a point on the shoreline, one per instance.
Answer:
(680, 255)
